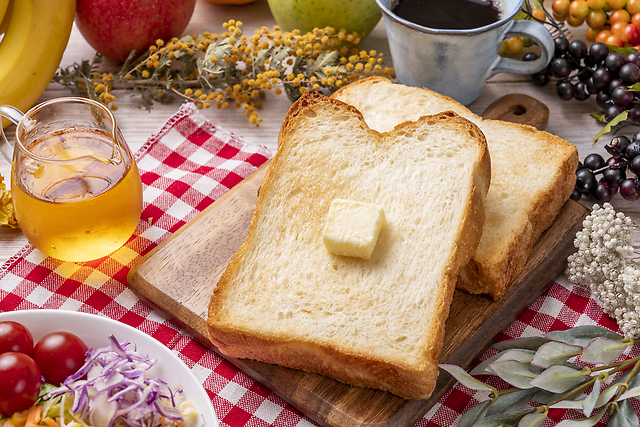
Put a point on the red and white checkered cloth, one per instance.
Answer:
(185, 167)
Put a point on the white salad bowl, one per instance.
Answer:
(95, 330)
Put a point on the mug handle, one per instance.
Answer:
(14, 116)
(540, 35)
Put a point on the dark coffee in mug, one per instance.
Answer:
(449, 14)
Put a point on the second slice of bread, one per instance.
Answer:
(378, 323)
(532, 176)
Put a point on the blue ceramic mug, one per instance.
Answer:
(457, 63)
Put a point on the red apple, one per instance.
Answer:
(116, 27)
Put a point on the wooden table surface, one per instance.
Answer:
(568, 119)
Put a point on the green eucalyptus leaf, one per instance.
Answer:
(516, 354)
(602, 351)
(483, 367)
(464, 378)
(632, 392)
(634, 381)
(606, 396)
(587, 422)
(625, 416)
(545, 397)
(582, 335)
(515, 373)
(532, 420)
(511, 402)
(590, 402)
(554, 353)
(510, 419)
(568, 404)
(474, 414)
(527, 343)
(609, 126)
(558, 379)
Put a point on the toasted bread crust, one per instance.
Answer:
(493, 275)
(496, 264)
(337, 359)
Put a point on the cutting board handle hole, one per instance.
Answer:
(518, 110)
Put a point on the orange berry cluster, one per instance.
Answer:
(613, 22)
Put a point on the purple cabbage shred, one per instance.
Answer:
(116, 388)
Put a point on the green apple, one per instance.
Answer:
(305, 15)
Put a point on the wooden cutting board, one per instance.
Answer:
(179, 275)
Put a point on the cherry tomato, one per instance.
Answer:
(59, 355)
(21, 381)
(15, 337)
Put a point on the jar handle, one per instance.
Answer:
(14, 116)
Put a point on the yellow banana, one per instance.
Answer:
(6, 6)
(32, 48)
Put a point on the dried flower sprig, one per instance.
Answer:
(231, 69)
(543, 376)
(606, 262)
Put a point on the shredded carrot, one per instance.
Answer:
(18, 419)
(162, 421)
(50, 422)
(34, 417)
(179, 423)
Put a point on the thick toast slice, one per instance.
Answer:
(532, 176)
(379, 323)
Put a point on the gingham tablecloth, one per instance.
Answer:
(185, 167)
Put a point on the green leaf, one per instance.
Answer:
(558, 379)
(632, 392)
(609, 126)
(45, 389)
(545, 397)
(582, 335)
(293, 93)
(634, 87)
(474, 414)
(517, 354)
(262, 57)
(464, 378)
(587, 422)
(326, 60)
(602, 350)
(623, 50)
(555, 353)
(532, 420)
(520, 15)
(483, 367)
(526, 343)
(568, 404)
(511, 419)
(589, 403)
(599, 117)
(511, 402)
(633, 382)
(625, 416)
(515, 373)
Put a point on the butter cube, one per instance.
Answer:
(352, 228)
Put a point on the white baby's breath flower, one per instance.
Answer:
(604, 263)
